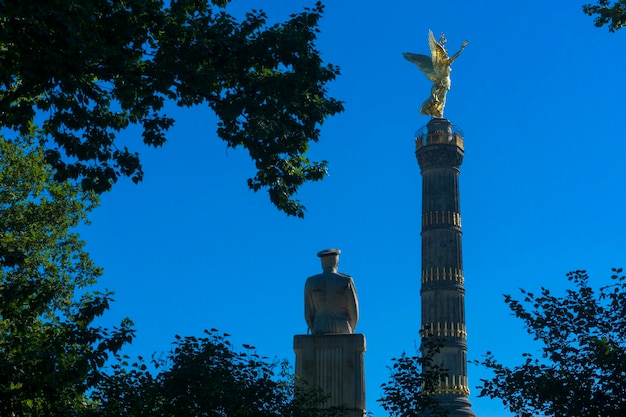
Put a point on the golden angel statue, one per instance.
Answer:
(437, 69)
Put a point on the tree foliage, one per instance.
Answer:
(413, 380)
(607, 13)
(205, 376)
(582, 367)
(83, 71)
(50, 350)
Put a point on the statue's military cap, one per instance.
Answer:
(328, 252)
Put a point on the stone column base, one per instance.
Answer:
(334, 363)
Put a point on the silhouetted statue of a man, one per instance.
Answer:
(330, 301)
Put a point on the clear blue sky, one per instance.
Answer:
(539, 93)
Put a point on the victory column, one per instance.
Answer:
(439, 153)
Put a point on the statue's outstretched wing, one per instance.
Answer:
(424, 63)
(437, 50)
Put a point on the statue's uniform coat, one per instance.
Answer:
(330, 304)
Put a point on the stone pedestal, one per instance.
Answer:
(334, 363)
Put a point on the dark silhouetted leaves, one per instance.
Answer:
(205, 377)
(82, 71)
(613, 15)
(581, 369)
(413, 380)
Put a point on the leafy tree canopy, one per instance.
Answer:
(413, 383)
(607, 13)
(206, 376)
(50, 350)
(582, 367)
(82, 71)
